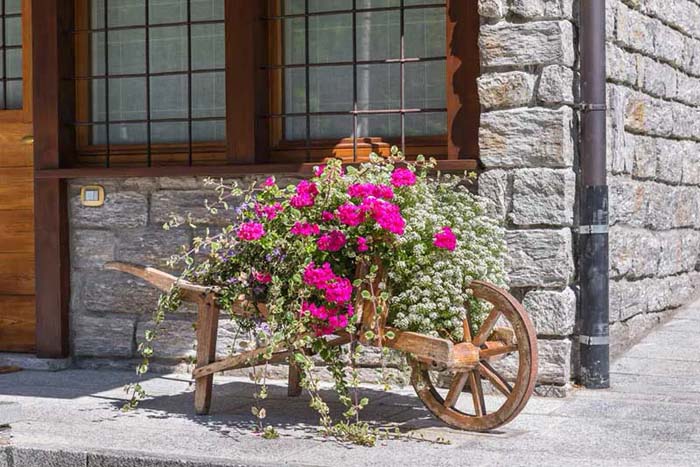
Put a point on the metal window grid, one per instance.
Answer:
(146, 27)
(356, 112)
(4, 48)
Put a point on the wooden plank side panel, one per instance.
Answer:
(17, 323)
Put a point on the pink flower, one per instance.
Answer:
(318, 277)
(445, 239)
(386, 214)
(262, 277)
(327, 216)
(305, 229)
(269, 181)
(362, 244)
(363, 190)
(403, 177)
(338, 321)
(339, 290)
(315, 311)
(349, 214)
(332, 241)
(318, 170)
(305, 195)
(269, 212)
(250, 231)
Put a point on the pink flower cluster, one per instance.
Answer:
(269, 181)
(262, 277)
(351, 215)
(337, 290)
(445, 239)
(249, 231)
(386, 214)
(363, 190)
(403, 177)
(362, 244)
(269, 212)
(305, 229)
(332, 241)
(306, 193)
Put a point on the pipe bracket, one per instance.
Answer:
(594, 340)
(588, 107)
(592, 229)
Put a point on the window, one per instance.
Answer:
(151, 81)
(196, 82)
(10, 54)
(353, 76)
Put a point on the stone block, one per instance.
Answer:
(621, 65)
(116, 291)
(635, 30)
(627, 298)
(552, 312)
(90, 249)
(176, 338)
(494, 186)
(628, 201)
(691, 56)
(180, 183)
(543, 197)
(542, 9)
(619, 150)
(539, 258)
(503, 90)
(140, 184)
(644, 156)
(634, 252)
(647, 115)
(691, 164)
(668, 44)
(556, 85)
(533, 43)
(670, 155)
(492, 9)
(109, 336)
(657, 79)
(554, 361)
(688, 89)
(686, 210)
(662, 200)
(184, 203)
(527, 138)
(625, 334)
(151, 246)
(121, 210)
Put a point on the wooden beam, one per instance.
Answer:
(463, 68)
(53, 98)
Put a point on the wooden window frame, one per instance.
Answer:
(251, 90)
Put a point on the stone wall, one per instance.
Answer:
(653, 50)
(528, 148)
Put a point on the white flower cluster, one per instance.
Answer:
(430, 286)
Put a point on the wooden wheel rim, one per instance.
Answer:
(525, 380)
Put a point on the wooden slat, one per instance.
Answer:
(16, 188)
(16, 274)
(463, 69)
(13, 152)
(17, 322)
(17, 232)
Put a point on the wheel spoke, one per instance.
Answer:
(496, 379)
(456, 388)
(495, 351)
(486, 328)
(477, 393)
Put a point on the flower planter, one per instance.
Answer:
(506, 338)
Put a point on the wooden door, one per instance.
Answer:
(17, 304)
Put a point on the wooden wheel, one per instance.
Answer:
(500, 386)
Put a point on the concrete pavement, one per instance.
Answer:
(650, 416)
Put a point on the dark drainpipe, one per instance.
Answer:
(593, 326)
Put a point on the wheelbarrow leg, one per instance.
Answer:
(207, 326)
(294, 379)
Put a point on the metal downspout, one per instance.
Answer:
(593, 328)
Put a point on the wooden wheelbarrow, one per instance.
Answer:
(506, 336)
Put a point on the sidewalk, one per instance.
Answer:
(651, 416)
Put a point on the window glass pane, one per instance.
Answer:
(331, 127)
(425, 85)
(426, 124)
(11, 55)
(329, 5)
(166, 59)
(378, 86)
(330, 38)
(168, 49)
(425, 32)
(295, 97)
(378, 35)
(330, 89)
(374, 125)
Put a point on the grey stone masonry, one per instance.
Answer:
(653, 64)
(527, 144)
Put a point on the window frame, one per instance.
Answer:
(251, 91)
(23, 114)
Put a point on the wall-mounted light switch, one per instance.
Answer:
(92, 195)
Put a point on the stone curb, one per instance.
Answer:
(13, 456)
